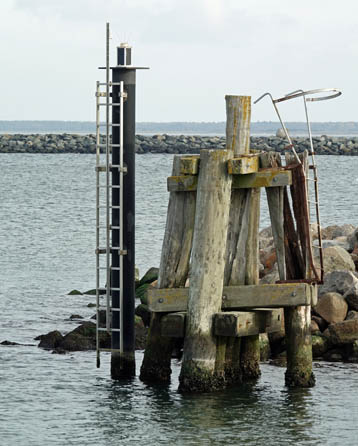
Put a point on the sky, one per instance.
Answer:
(197, 50)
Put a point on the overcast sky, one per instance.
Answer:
(197, 51)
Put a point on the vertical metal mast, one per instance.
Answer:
(119, 168)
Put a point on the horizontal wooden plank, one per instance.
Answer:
(263, 178)
(230, 323)
(236, 297)
(247, 323)
(182, 183)
(173, 325)
(189, 165)
(243, 165)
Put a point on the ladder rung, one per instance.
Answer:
(110, 104)
(105, 307)
(111, 166)
(313, 202)
(110, 84)
(102, 186)
(110, 350)
(115, 268)
(115, 289)
(122, 252)
(115, 227)
(110, 329)
(104, 124)
(101, 251)
(103, 206)
(110, 145)
(101, 289)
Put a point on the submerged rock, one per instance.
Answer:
(74, 293)
(50, 340)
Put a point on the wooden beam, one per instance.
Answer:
(173, 325)
(238, 297)
(263, 178)
(189, 165)
(247, 323)
(231, 323)
(243, 165)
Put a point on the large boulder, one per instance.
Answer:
(150, 276)
(345, 332)
(353, 240)
(351, 296)
(332, 307)
(50, 340)
(337, 258)
(334, 231)
(338, 282)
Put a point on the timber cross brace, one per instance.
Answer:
(213, 224)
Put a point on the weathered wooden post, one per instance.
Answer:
(297, 319)
(173, 272)
(198, 372)
(243, 354)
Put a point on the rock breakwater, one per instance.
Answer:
(190, 144)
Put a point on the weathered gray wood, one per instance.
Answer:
(238, 117)
(173, 272)
(275, 204)
(173, 325)
(299, 371)
(237, 297)
(250, 346)
(189, 165)
(264, 178)
(247, 323)
(243, 165)
(207, 272)
(229, 323)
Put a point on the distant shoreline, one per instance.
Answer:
(171, 144)
(189, 128)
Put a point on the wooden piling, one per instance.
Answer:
(297, 319)
(200, 371)
(243, 354)
(173, 272)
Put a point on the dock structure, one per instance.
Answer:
(208, 290)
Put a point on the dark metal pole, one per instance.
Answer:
(123, 364)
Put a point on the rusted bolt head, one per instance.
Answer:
(275, 180)
(224, 297)
(293, 294)
(161, 300)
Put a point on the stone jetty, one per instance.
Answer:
(173, 144)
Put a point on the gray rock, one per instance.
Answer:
(351, 296)
(337, 259)
(338, 282)
(352, 315)
(319, 346)
(344, 332)
(353, 240)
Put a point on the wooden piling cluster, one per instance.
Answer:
(212, 230)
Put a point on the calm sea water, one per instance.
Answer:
(47, 248)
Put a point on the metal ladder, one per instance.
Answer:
(333, 93)
(103, 222)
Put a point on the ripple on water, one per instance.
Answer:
(47, 241)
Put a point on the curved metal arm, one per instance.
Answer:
(265, 94)
(298, 93)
